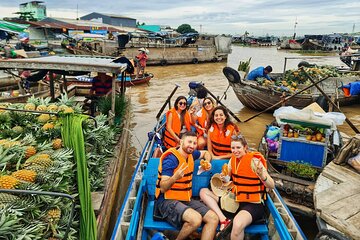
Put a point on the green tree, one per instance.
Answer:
(185, 28)
(139, 24)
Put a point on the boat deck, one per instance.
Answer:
(336, 198)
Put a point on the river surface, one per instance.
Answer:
(147, 100)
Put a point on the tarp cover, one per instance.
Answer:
(12, 27)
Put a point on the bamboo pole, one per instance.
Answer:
(330, 101)
(285, 99)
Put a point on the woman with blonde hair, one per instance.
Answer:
(250, 179)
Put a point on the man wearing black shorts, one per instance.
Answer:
(174, 192)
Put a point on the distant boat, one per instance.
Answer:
(136, 218)
(189, 48)
(129, 80)
(258, 97)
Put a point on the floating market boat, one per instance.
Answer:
(298, 145)
(129, 80)
(187, 48)
(264, 94)
(34, 160)
(336, 202)
(135, 220)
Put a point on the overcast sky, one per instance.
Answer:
(258, 17)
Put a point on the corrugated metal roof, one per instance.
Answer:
(69, 24)
(67, 63)
(152, 28)
(115, 16)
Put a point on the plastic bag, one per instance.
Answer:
(337, 117)
(355, 162)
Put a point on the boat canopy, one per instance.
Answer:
(12, 27)
(66, 63)
(289, 114)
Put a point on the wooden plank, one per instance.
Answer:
(345, 208)
(355, 220)
(342, 226)
(336, 193)
(346, 170)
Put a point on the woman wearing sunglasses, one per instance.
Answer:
(248, 171)
(201, 120)
(220, 130)
(177, 118)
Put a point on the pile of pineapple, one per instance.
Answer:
(293, 78)
(33, 157)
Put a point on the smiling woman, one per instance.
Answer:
(177, 119)
(220, 130)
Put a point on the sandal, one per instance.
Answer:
(224, 224)
(225, 232)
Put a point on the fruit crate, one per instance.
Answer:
(300, 149)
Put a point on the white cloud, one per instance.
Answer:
(218, 16)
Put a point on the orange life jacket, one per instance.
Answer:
(182, 189)
(220, 142)
(247, 185)
(168, 139)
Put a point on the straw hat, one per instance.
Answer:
(228, 202)
(218, 187)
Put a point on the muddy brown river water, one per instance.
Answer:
(147, 100)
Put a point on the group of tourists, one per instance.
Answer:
(189, 131)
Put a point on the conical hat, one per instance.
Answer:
(218, 187)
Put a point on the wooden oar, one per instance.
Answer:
(330, 101)
(167, 101)
(218, 101)
(285, 99)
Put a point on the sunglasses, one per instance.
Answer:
(237, 137)
(207, 103)
(182, 103)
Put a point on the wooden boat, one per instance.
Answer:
(135, 220)
(336, 198)
(162, 51)
(105, 204)
(297, 159)
(8, 87)
(129, 80)
(257, 97)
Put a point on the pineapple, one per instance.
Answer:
(33, 100)
(43, 103)
(41, 108)
(62, 108)
(30, 106)
(18, 129)
(64, 100)
(8, 143)
(8, 198)
(36, 168)
(25, 175)
(52, 108)
(43, 118)
(56, 143)
(47, 126)
(30, 151)
(42, 160)
(68, 110)
(8, 182)
(53, 215)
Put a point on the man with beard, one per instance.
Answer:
(174, 201)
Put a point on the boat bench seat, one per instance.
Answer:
(199, 181)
